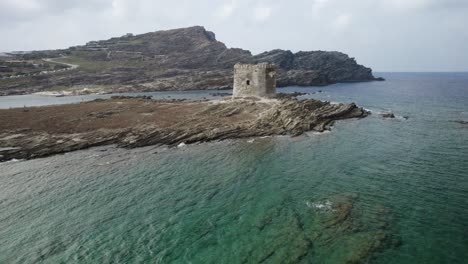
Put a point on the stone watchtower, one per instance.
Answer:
(254, 80)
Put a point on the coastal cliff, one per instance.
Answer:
(179, 59)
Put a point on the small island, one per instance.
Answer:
(255, 109)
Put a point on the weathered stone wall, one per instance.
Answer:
(254, 80)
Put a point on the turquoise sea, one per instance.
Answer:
(372, 190)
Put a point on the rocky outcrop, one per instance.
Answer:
(134, 122)
(462, 122)
(284, 59)
(315, 67)
(186, 59)
(387, 115)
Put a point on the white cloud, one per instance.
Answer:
(226, 10)
(408, 4)
(318, 5)
(342, 21)
(119, 8)
(262, 13)
(25, 5)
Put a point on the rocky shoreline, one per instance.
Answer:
(33, 132)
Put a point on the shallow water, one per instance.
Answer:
(376, 190)
(29, 100)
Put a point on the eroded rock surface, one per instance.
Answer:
(27, 133)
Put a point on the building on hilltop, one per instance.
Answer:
(254, 80)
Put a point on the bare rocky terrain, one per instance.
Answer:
(33, 132)
(180, 59)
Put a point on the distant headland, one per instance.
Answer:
(179, 59)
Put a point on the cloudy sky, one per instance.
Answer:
(387, 35)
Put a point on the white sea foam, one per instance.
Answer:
(12, 160)
(322, 206)
(250, 140)
(401, 117)
(317, 133)
(181, 145)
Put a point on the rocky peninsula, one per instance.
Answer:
(32, 132)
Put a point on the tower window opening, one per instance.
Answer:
(248, 82)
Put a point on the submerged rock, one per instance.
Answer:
(344, 235)
(387, 115)
(330, 230)
(461, 122)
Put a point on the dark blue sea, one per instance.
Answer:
(372, 190)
